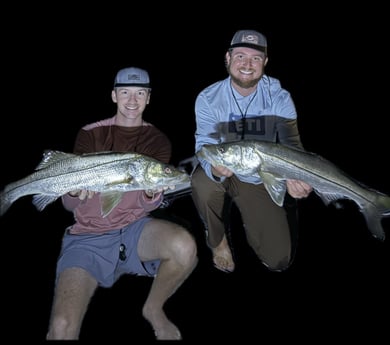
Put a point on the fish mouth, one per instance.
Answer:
(185, 178)
(202, 153)
(207, 155)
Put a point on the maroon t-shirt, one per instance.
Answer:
(106, 136)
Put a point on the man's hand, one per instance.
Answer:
(298, 189)
(151, 192)
(82, 194)
(220, 170)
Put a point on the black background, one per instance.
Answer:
(57, 73)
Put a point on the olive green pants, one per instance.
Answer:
(270, 230)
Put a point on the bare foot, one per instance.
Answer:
(163, 328)
(222, 256)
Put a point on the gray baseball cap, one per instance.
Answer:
(132, 76)
(250, 39)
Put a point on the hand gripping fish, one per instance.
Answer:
(274, 163)
(110, 173)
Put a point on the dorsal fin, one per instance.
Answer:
(52, 156)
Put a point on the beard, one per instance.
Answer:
(247, 84)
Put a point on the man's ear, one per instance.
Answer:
(227, 59)
(266, 61)
(148, 99)
(113, 96)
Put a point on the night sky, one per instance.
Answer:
(57, 75)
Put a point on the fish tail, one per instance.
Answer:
(374, 212)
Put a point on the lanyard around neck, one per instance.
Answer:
(243, 114)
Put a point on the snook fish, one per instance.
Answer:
(274, 163)
(110, 173)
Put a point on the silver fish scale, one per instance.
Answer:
(59, 173)
(274, 163)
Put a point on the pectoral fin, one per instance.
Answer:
(108, 201)
(40, 201)
(329, 197)
(275, 186)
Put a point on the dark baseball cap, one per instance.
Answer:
(132, 76)
(250, 39)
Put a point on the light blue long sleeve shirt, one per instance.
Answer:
(269, 114)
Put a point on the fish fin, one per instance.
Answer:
(52, 156)
(330, 198)
(108, 201)
(374, 221)
(275, 186)
(373, 213)
(41, 201)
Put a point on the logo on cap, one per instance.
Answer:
(252, 39)
(132, 76)
(136, 77)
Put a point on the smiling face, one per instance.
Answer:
(245, 66)
(131, 102)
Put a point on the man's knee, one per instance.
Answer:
(278, 266)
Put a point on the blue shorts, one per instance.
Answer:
(99, 254)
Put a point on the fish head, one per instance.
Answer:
(158, 174)
(239, 157)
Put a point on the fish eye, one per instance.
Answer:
(168, 170)
(221, 150)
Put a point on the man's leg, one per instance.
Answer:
(210, 200)
(73, 291)
(176, 248)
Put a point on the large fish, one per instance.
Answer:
(110, 173)
(274, 163)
